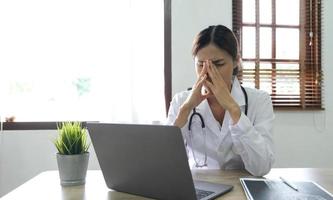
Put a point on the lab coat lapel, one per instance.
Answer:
(208, 116)
(238, 95)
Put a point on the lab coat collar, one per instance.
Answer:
(237, 93)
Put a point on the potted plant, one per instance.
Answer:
(73, 155)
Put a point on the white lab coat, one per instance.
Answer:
(247, 144)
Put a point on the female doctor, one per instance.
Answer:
(224, 125)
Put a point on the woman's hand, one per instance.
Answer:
(221, 91)
(193, 100)
(196, 96)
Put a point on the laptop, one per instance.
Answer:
(148, 160)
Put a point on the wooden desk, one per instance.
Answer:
(46, 185)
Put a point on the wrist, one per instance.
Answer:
(182, 116)
(235, 113)
(186, 107)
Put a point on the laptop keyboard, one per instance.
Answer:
(202, 193)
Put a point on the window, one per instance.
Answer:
(82, 60)
(280, 42)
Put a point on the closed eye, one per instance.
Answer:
(219, 64)
(199, 65)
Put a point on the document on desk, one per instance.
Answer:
(265, 189)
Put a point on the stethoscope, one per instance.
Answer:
(202, 122)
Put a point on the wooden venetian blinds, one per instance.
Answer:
(280, 43)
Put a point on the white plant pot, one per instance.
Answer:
(72, 168)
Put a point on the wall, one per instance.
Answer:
(303, 139)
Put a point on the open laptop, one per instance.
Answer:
(148, 160)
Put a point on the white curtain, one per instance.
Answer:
(97, 60)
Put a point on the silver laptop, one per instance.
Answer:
(148, 160)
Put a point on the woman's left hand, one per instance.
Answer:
(220, 89)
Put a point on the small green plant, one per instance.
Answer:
(72, 138)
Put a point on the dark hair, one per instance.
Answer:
(220, 36)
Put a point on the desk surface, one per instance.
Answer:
(46, 185)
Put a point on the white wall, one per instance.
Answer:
(303, 139)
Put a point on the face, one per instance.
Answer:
(220, 58)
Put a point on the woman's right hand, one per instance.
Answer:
(196, 96)
(193, 100)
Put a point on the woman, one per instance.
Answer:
(237, 122)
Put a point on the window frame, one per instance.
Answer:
(310, 72)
